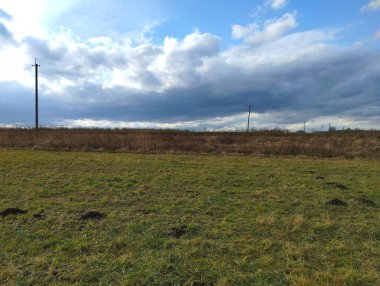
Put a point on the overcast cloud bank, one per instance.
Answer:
(288, 78)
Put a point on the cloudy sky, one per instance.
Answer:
(191, 64)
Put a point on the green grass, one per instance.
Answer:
(250, 220)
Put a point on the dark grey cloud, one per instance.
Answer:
(16, 104)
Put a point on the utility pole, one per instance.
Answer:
(304, 127)
(36, 66)
(249, 117)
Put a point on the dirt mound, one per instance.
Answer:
(12, 211)
(337, 185)
(177, 232)
(39, 216)
(367, 202)
(336, 202)
(196, 283)
(92, 215)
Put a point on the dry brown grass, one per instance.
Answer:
(364, 144)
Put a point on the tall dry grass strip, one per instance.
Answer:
(363, 144)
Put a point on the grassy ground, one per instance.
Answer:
(188, 220)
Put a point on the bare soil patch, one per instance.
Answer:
(367, 202)
(92, 215)
(39, 216)
(337, 185)
(196, 283)
(336, 202)
(177, 232)
(12, 211)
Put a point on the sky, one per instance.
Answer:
(191, 64)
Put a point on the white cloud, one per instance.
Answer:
(287, 49)
(14, 60)
(278, 4)
(30, 13)
(371, 6)
(272, 29)
(68, 61)
(175, 64)
(178, 65)
(233, 122)
(238, 121)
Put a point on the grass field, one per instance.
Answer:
(188, 220)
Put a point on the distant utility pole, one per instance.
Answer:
(36, 66)
(249, 117)
(304, 127)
